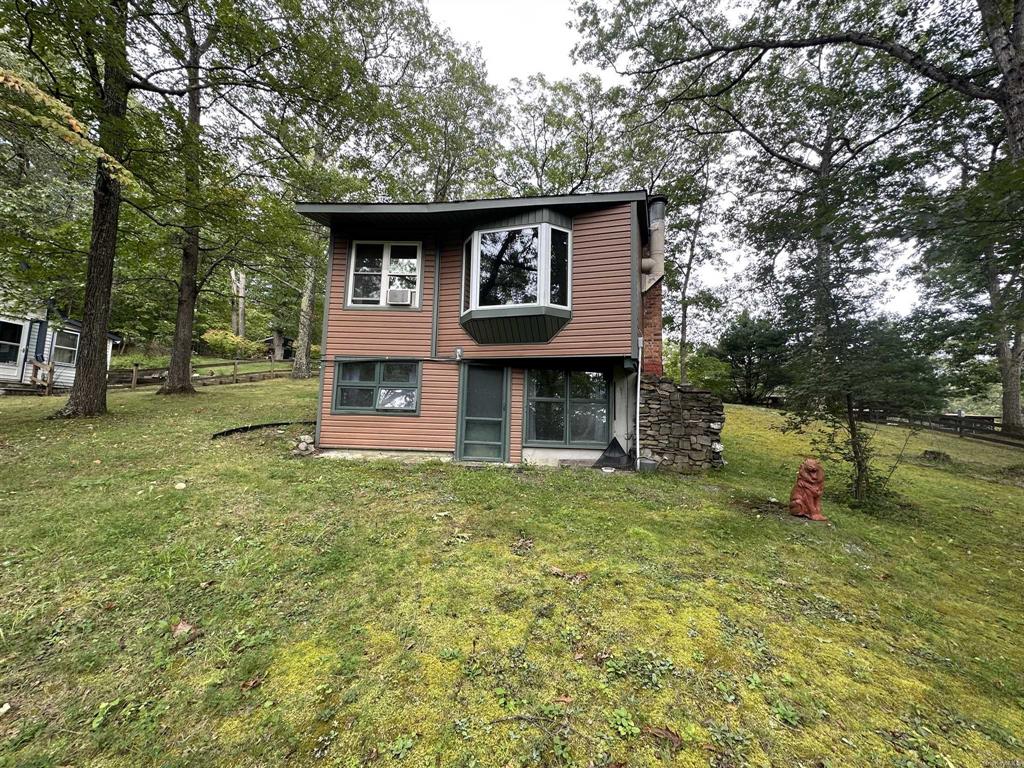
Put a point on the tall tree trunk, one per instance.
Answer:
(301, 368)
(179, 373)
(1009, 348)
(238, 289)
(1005, 38)
(1010, 353)
(277, 344)
(861, 468)
(1013, 110)
(89, 392)
(684, 348)
(691, 256)
(822, 273)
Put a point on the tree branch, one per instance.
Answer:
(911, 58)
(781, 156)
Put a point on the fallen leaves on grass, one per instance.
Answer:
(572, 578)
(522, 545)
(181, 629)
(665, 734)
(457, 537)
(254, 682)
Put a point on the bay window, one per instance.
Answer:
(517, 267)
(567, 408)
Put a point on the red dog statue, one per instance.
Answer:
(805, 500)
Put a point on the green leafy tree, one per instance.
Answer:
(687, 50)
(558, 137)
(868, 365)
(756, 351)
(681, 157)
(81, 50)
(970, 243)
(704, 370)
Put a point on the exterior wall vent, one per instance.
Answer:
(400, 296)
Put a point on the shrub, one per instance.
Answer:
(708, 372)
(224, 343)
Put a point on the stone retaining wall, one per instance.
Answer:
(680, 427)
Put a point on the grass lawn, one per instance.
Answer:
(312, 612)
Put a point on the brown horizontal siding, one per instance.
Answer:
(601, 295)
(515, 418)
(372, 332)
(433, 429)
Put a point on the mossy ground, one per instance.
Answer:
(348, 614)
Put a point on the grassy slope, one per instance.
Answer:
(388, 613)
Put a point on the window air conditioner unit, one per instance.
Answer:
(400, 296)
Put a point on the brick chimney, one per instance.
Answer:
(650, 329)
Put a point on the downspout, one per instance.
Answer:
(640, 349)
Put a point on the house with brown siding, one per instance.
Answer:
(503, 330)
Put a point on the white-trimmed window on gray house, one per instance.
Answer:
(376, 386)
(65, 347)
(517, 266)
(385, 274)
(567, 408)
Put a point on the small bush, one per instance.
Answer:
(224, 343)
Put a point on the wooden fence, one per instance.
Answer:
(207, 373)
(987, 428)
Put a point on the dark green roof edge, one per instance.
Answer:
(317, 210)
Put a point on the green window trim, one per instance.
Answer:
(383, 387)
(568, 403)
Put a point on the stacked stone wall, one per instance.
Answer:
(680, 426)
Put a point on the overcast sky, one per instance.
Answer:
(518, 38)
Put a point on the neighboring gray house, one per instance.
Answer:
(42, 337)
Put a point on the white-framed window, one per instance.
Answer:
(65, 347)
(383, 273)
(517, 266)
